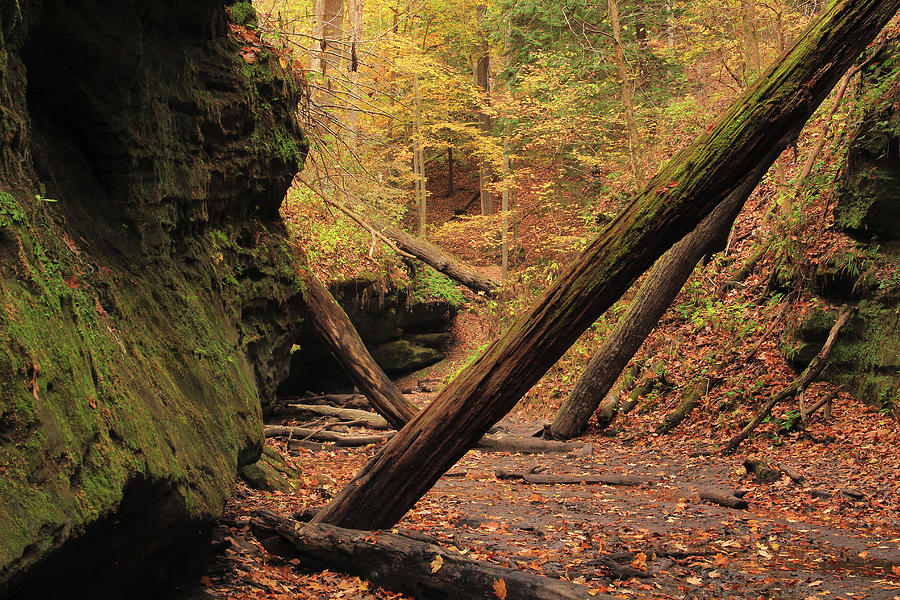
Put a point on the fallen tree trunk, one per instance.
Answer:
(525, 445)
(657, 292)
(806, 377)
(644, 386)
(367, 418)
(322, 435)
(750, 135)
(425, 251)
(548, 479)
(341, 338)
(399, 563)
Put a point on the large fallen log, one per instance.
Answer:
(341, 338)
(751, 134)
(322, 435)
(370, 419)
(525, 445)
(549, 479)
(399, 563)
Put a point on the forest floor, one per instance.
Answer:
(834, 536)
(788, 544)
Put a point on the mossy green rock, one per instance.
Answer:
(402, 332)
(270, 473)
(868, 203)
(866, 357)
(147, 295)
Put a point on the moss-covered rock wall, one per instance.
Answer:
(403, 331)
(147, 295)
(866, 358)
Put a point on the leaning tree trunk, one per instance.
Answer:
(656, 294)
(750, 135)
(423, 250)
(341, 338)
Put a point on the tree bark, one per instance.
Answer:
(340, 337)
(396, 562)
(483, 80)
(656, 294)
(748, 136)
(634, 140)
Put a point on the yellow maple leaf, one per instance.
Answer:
(437, 563)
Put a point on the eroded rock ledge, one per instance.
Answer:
(143, 279)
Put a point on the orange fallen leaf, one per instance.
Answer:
(500, 588)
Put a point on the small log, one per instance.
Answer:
(618, 570)
(806, 377)
(688, 404)
(806, 413)
(763, 469)
(546, 478)
(525, 445)
(369, 419)
(353, 441)
(399, 563)
(723, 497)
(301, 434)
(796, 476)
(644, 386)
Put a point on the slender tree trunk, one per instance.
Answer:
(449, 172)
(670, 26)
(749, 136)
(317, 46)
(419, 165)
(634, 140)
(483, 79)
(504, 226)
(656, 294)
(354, 19)
(333, 35)
(751, 39)
(340, 337)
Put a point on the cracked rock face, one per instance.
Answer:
(147, 295)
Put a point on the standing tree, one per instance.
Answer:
(627, 85)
